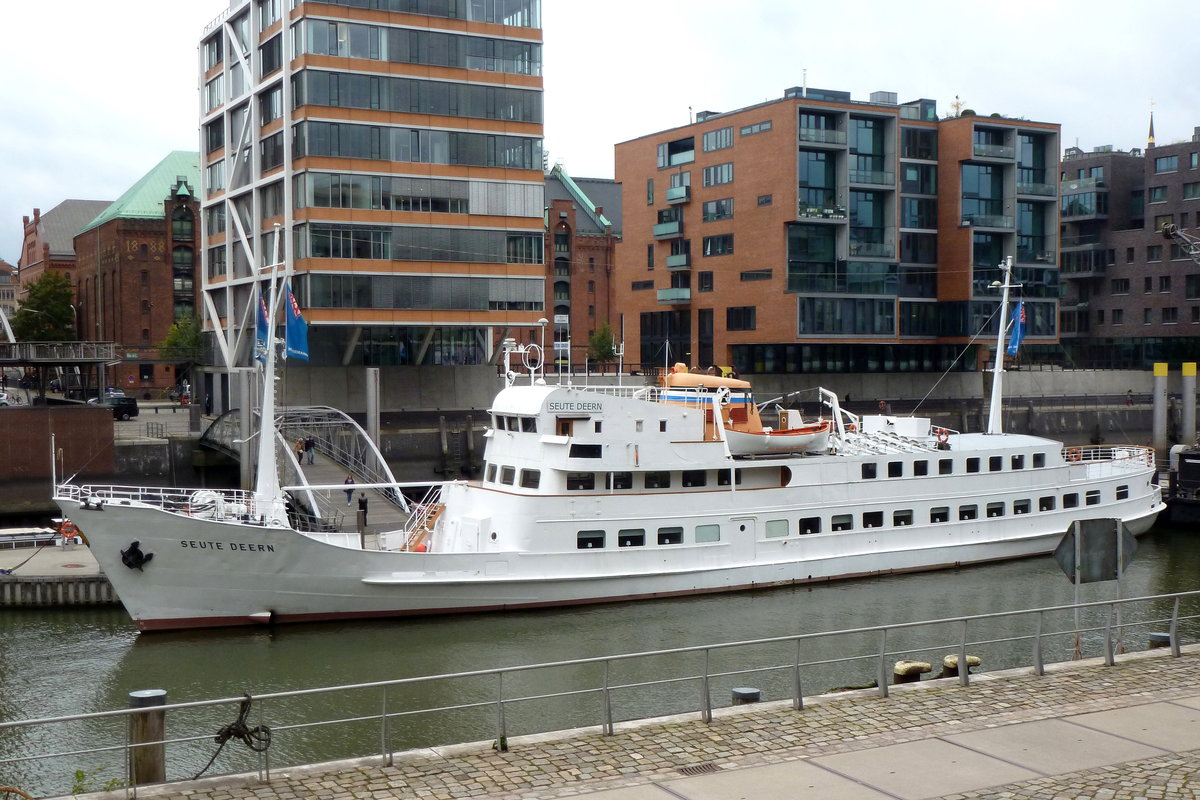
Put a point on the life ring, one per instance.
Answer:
(942, 434)
(1074, 454)
(68, 530)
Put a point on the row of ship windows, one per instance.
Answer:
(945, 466)
(780, 528)
(584, 481)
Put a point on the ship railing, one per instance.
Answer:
(422, 515)
(1131, 456)
(379, 719)
(204, 503)
(641, 392)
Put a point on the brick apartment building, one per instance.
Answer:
(816, 233)
(583, 226)
(49, 241)
(135, 272)
(1131, 297)
(399, 146)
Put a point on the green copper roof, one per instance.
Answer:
(582, 199)
(144, 200)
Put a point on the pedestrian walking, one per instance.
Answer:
(299, 451)
(349, 492)
(310, 448)
(362, 509)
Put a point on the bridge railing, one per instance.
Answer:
(380, 718)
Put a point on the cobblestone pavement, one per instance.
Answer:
(640, 758)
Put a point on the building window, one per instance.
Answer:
(1164, 283)
(758, 127)
(718, 139)
(1120, 286)
(740, 318)
(714, 210)
(649, 256)
(650, 191)
(1170, 315)
(1118, 316)
(641, 286)
(1154, 252)
(719, 174)
(680, 151)
(1163, 219)
(1158, 194)
(705, 281)
(1166, 164)
(718, 245)
(1147, 316)
(765, 200)
(756, 275)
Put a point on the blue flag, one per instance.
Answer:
(296, 329)
(262, 332)
(1018, 328)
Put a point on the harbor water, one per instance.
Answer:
(70, 661)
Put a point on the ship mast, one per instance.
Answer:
(268, 499)
(995, 407)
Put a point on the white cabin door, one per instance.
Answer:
(744, 535)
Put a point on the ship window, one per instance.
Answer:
(870, 471)
(872, 519)
(1039, 460)
(995, 463)
(945, 466)
(776, 528)
(902, 518)
(1018, 462)
(842, 522)
(920, 468)
(1070, 500)
(499, 423)
(587, 540)
(530, 478)
(598, 425)
(810, 525)
(723, 477)
(995, 509)
(620, 480)
(895, 469)
(695, 477)
(662, 426)
(1122, 492)
(708, 533)
(637, 426)
(972, 465)
(968, 512)
(1022, 506)
(585, 451)
(491, 473)
(658, 480)
(939, 514)
(1092, 497)
(1046, 503)
(514, 423)
(580, 481)
(529, 424)
(670, 535)
(508, 475)
(631, 537)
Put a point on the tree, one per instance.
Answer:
(601, 347)
(46, 315)
(183, 343)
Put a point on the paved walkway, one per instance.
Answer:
(1083, 730)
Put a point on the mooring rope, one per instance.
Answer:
(257, 738)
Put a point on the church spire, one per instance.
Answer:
(1150, 137)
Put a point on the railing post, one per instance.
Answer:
(706, 698)
(1175, 629)
(265, 755)
(501, 730)
(964, 669)
(1039, 665)
(798, 693)
(385, 733)
(606, 700)
(1108, 642)
(881, 678)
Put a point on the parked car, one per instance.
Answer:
(4, 399)
(122, 407)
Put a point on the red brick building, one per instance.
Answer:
(817, 233)
(583, 226)
(49, 242)
(135, 272)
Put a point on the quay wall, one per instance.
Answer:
(56, 590)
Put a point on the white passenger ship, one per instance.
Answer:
(594, 494)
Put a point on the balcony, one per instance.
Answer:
(1090, 241)
(668, 230)
(873, 177)
(1040, 257)
(994, 151)
(679, 261)
(873, 249)
(822, 136)
(674, 297)
(677, 195)
(1083, 185)
(988, 221)
(1039, 189)
(821, 212)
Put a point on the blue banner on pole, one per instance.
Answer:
(262, 331)
(296, 329)
(1018, 328)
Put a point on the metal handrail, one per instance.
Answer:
(705, 677)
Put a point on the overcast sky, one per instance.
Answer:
(93, 95)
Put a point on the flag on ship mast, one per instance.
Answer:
(295, 329)
(262, 331)
(1018, 328)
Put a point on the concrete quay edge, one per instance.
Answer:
(643, 755)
